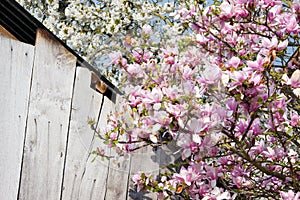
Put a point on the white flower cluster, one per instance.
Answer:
(93, 28)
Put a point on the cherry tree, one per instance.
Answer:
(225, 92)
(94, 28)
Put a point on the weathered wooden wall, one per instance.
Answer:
(45, 101)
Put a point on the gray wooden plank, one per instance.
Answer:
(94, 181)
(143, 160)
(83, 179)
(16, 61)
(118, 179)
(48, 120)
(151, 161)
(118, 174)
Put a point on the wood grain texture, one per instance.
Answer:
(16, 61)
(118, 174)
(48, 120)
(82, 178)
(143, 160)
(94, 181)
(118, 179)
(45, 103)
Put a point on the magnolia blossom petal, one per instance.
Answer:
(234, 62)
(212, 74)
(201, 38)
(295, 79)
(282, 45)
(226, 9)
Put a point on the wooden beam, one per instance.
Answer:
(6, 33)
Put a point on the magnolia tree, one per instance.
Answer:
(225, 92)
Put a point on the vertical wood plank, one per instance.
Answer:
(143, 160)
(16, 61)
(83, 179)
(94, 181)
(118, 174)
(118, 179)
(48, 120)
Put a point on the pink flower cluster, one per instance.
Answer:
(233, 112)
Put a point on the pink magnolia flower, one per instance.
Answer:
(219, 114)
(169, 55)
(187, 176)
(187, 72)
(269, 153)
(141, 55)
(255, 78)
(211, 74)
(290, 195)
(241, 127)
(273, 12)
(155, 96)
(258, 64)
(188, 87)
(256, 127)
(227, 9)
(295, 79)
(234, 62)
(273, 43)
(217, 194)
(241, 1)
(189, 146)
(268, 3)
(201, 39)
(282, 45)
(146, 29)
(162, 117)
(133, 100)
(227, 28)
(175, 110)
(231, 104)
(279, 153)
(257, 149)
(239, 77)
(171, 92)
(240, 11)
(141, 180)
(116, 58)
(196, 125)
(296, 6)
(134, 69)
(295, 119)
(239, 176)
(292, 25)
(113, 136)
